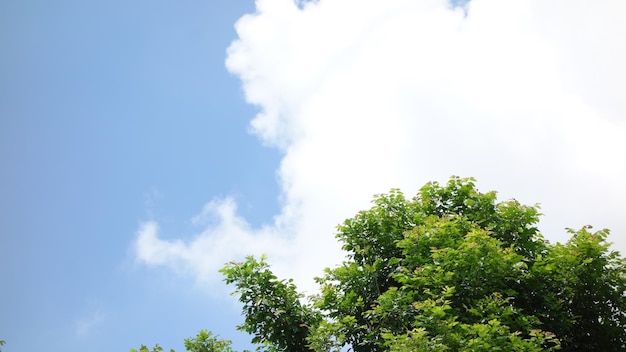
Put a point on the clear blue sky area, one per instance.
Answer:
(112, 113)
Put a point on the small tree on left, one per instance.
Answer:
(205, 341)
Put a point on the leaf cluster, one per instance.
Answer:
(204, 341)
(451, 269)
(273, 310)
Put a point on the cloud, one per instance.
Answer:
(362, 96)
(226, 237)
(86, 324)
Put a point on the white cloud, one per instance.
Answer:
(366, 95)
(226, 237)
(86, 324)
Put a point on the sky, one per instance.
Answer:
(146, 143)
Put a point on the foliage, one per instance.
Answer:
(451, 269)
(2, 343)
(204, 341)
(144, 348)
(272, 308)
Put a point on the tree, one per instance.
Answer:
(144, 348)
(204, 341)
(272, 308)
(450, 270)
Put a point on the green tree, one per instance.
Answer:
(273, 310)
(451, 269)
(144, 348)
(204, 341)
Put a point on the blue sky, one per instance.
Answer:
(145, 143)
(112, 113)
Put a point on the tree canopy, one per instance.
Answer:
(204, 341)
(451, 269)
